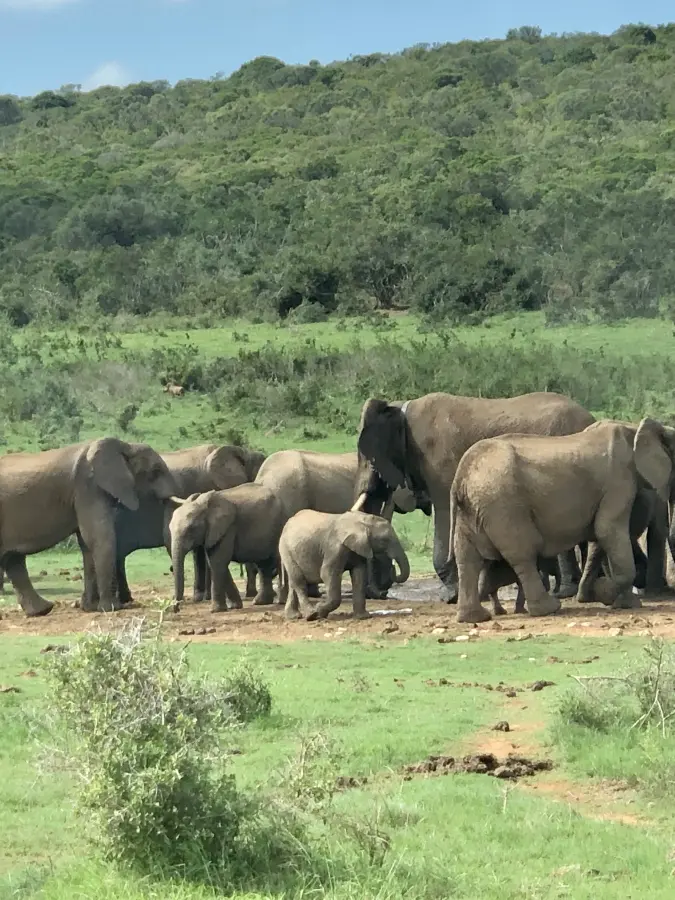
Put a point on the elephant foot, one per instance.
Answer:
(473, 615)
(498, 610)
(263, 599)
(35, 610)
(544, 606)
(109, 606)
(318, 613)
(292, 615)
(235, 604)
(448, 593)
(627, 600)
(219, 607)
(361, 615)
(375, 594)
(566, 590)
(199, 597)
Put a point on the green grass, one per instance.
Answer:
(456, 836)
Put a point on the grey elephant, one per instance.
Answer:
(325, 482)
(242, 524)
(420, 442)
(195, 470)
(316, 546)
(498, 573)
(517, 497)
(46, 497)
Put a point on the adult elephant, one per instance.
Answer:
(419, 443)
(195, 470)
(46, 497)
(325, 482)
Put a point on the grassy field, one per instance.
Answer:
(465, 836)
(461, 835)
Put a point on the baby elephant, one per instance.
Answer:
(241, 524)
(318, 546)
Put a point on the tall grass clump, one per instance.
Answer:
(623, 725)
(144, 737)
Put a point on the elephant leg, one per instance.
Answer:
(569, 575)
(123, 589)
(594, 560)
(445, 568)
(520, 600)
(615, 540)
(641, 561)
(333, 582)
(90, 599)
(251, 579)
(31, 602)
(497, 608)
(539, 602)
(265, 596)
(358, 577)
(201, 575)
(225, 593)
(657, 536)
(2, 581)
(469, 568)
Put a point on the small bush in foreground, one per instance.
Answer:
(144, 737)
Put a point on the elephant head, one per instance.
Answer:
(386, 458)
(125, 471)
(654, 455)
(371, 536)
(200, 520)
(228, 463)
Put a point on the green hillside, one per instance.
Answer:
(455, 180)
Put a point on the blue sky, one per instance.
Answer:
(47, 43)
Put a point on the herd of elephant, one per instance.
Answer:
(520, 489)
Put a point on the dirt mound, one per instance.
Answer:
(512, 767)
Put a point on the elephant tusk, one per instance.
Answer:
(360, 503)
(177, 501)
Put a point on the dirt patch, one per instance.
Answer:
(601, 800)
(429, 617)
(512, 767)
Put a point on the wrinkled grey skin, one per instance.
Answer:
(195, 470)
(498, 573)
(242, 524)
(317, 546)
(422, 447)
(45, 497)
(324, 482)
(518, 497)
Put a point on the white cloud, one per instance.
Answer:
(110, 73)
(34, 4)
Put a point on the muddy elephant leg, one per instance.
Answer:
(569, 575)
(657, 536)
(446, 570)
(123, 589)
(265, 596)
(358, 577)
(251, 580)
(90, 598)
(520, 600)
(497, 608)
(31, 602)
(539, 602)
(469, 568)
(333, 582)
(201, 575)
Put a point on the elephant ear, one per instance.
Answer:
(382, 440)
(110, 468)
(226, 467)
(220, 516)
(652, 454)
(353, 532)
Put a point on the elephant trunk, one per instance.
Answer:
(400, 557)
(179, 550)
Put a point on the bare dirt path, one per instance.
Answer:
(428, 616)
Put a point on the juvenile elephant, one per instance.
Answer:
(195, 470)
(419, 443)
(498, 573)
(45, 497)
(242, 524)
(325, 482)
(517, 497)
(317, 546)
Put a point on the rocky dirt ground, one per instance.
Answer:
(411, 610)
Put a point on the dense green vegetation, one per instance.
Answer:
(368, 709)
(454, 179)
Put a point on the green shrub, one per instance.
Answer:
(144, 737)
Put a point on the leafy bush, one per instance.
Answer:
(144, 736)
